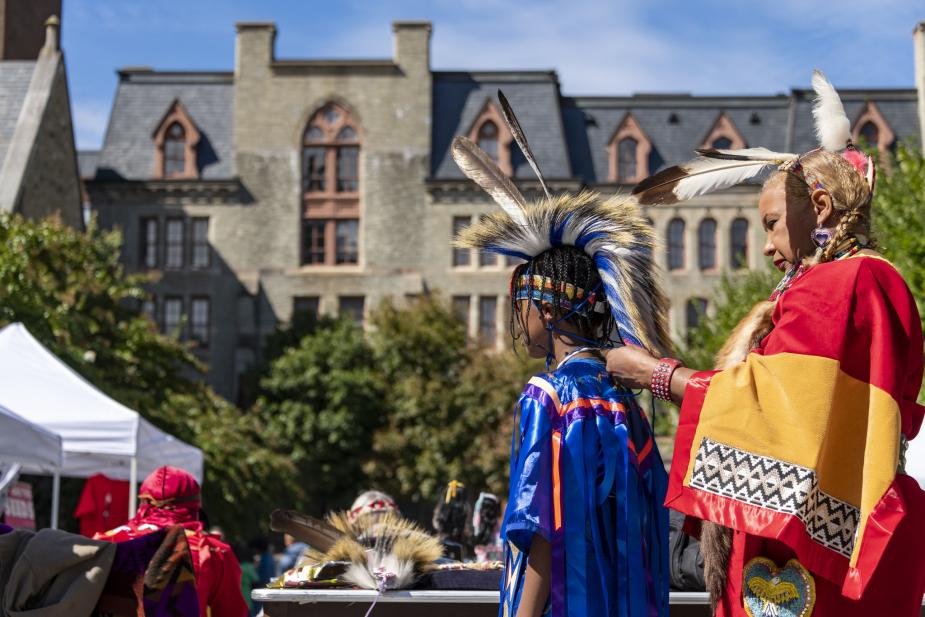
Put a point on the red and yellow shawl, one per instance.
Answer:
(800, 443)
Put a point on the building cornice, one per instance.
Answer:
(168, 192)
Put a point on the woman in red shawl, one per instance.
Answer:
(792, 451)
(170, 496)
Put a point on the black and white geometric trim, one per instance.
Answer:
(776, 485)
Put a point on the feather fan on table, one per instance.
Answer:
(384, 552)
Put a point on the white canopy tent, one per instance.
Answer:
(32, 449)
(98, 434)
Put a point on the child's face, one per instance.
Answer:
(532, 324)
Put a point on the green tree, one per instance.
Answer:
(323, 398)
(451, 405)
(899, 224)
(734, 297)
(70, 291)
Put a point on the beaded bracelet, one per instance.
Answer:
(661, 378)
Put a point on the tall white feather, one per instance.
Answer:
(833, 129)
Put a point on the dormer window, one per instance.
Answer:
(871, 130)
(491, 134)
(870, 134)
(175, 151)
(488, 139)
(626, 157)
(175, 140)
(723, 135)
(629, 150)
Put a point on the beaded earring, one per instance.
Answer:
(822, 236)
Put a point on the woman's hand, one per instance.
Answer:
(632, 366)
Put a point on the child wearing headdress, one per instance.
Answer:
(585, 531)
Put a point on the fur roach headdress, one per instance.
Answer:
(378, 552)
(611, 231)
(718, 169)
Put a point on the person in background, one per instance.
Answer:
(292, 553)
(250, 580)
(266, 564)
(374, 503)
(171, 496)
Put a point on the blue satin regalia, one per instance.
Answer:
(586, 475)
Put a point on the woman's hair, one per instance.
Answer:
(564, 265)
(850, 194)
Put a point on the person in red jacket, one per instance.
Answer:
(171, 496)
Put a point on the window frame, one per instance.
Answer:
(206, 342)
(145, 247)
(485, 340)
(733, 252)
(707, 246)
(329, 205)
(165, 326)
(181, 244)
(682, 247)
(200, 243)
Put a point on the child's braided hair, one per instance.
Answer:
(570, 265)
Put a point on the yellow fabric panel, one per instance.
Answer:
(804, 410)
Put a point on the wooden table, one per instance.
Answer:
(355, 602)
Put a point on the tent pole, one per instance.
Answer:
(133, 487)
(55, 497)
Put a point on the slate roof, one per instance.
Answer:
(458, 98)
(898, 108)
(142, 99)
(569, 135)
(15, 77)
(674, 123)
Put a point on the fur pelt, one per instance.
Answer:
(384, 551)
(716, 540)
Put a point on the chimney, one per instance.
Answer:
(412, 45)
(21, 33)
(918, 39)
(254, 47)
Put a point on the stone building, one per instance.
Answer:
(38, 159)
(324, 186)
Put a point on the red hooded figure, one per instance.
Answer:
(171, 496)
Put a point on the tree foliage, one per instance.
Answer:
(323, 398)
(736, 294)
(68, 288)
(899, 216)
(451, 404)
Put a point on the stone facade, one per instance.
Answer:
(251, 124)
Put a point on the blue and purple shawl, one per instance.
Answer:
(586, 475)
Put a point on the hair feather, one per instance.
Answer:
(521, 138)
(833, 129)
(696, 177)
(479, 168)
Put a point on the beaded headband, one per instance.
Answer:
(861, 163)
(542, 289)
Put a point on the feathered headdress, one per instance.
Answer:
(611, 231)
(718, 169)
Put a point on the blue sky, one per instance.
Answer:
(597, 46)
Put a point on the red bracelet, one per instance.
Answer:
(661, 378)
